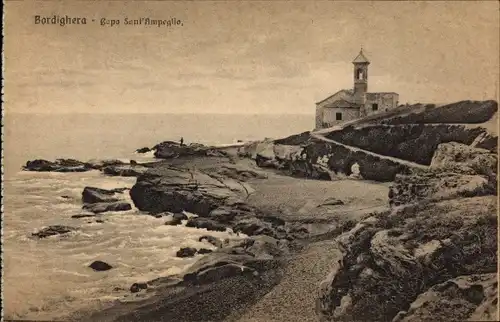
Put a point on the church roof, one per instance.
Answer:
(342, 103)
(361, 58)
(349, 92)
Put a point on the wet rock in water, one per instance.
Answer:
(100, 266)
(100, 221)
(200, 222)
(100, 164)
(60, 165)
(186, 252)
(127, 170)
(180, 216)
(204, 251)
(137, 287)
(133, 162)
(53, 230)
(176, 219)
(66, 197)
(173, 222)
(83, 216)
(95, 195)
(212, 240)
(143, 150)
(101, 207)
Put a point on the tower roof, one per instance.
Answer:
(361, 58)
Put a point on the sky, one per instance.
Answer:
(268, 57)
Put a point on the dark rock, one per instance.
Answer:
(66, 197)
(217, 266)
(254, 226)
(143, 150)
(53, 230)
(100, 266)
(100, 164)
(100, 221)
(177, 219)
(83, 216)
(173, 222)
(95, 195)
(223, 214)
(137, 287)
(101, 207)
(133, 162)
(125, 170)
(186, 252)
(200, 222)
(180, 216)
(212, 240)
(169, 150)
(60, 165)
(176, 190)
(204, 251)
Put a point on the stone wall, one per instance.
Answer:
(411, 142)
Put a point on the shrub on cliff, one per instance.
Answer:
(390, 258)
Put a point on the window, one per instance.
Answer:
(359, 74)
(338, 116)
(375, 107)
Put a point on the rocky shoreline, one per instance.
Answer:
(426, 248)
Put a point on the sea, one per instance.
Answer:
(46, 279)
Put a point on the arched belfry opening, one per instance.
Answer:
(360, 74)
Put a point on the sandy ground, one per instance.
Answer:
(301, 199)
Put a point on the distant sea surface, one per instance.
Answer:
(49, 278)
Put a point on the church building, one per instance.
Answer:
(351, 104)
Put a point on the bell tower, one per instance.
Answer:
(360, 77)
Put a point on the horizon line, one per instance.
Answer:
(153, 113)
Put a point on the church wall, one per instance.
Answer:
(385, 101)
(320, 107)
(329, 116)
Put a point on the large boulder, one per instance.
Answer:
(390, 258)
(461, 158)
(175, 190)
(95, 195)
(468, 297)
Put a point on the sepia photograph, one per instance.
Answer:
(250, 161)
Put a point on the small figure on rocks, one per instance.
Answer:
(182, 141)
